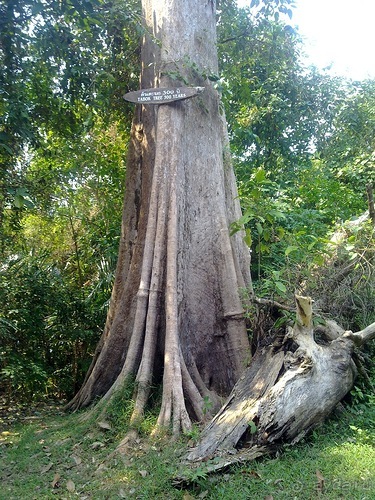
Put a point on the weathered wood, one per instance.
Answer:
(290, 388)
(162, 95)
(361, 337)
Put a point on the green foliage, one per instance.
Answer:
(262, 217)
(63, 138)
(65, 68)
(277, 110)
(284, 128)
(121, 407)
(349, 150)
(344, 283)
(207, 405)
(46, 329)
(285, 238)
(252, 427)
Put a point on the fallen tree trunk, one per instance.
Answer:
(291, 386)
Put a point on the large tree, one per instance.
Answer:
(176, 310)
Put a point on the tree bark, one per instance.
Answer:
(175, 310)
(290, 388)
(371, 205)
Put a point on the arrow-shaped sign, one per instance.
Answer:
(162, 95)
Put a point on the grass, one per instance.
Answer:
(63, 457)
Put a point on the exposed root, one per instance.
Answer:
(145, 371)
(173, 407)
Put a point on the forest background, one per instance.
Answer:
(303, 149)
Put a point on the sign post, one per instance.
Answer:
(162, 95)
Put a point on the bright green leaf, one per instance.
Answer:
(290, 249)
(18, 201)
(248, 239)
(260, 175)
(259, 228)
(280, 286)
(253, 428)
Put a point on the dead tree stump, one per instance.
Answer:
(291, 386)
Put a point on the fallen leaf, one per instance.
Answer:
(187, 496)
(97, 445)
(122, 494)
(268, 497)
(55, 481)
(46, 468)
(61, 442)
(143, 473)
(203, 494)
(252, 473)
(70, 486)
(100, 469)
(78, 460)
(320, 485)
(105, 426)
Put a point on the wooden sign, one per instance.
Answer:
(162, 95)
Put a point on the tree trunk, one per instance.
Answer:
(371, 204)
(290, 388)
(175, 310)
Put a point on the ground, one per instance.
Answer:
(46, 454)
